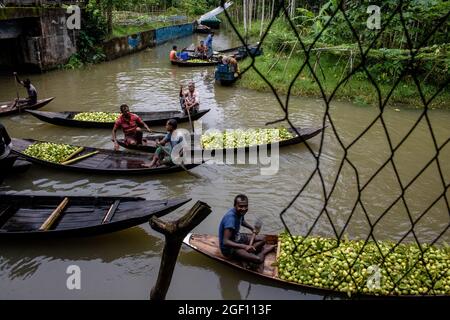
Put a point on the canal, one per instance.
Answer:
(124, 265)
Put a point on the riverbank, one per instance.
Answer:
(358, 89)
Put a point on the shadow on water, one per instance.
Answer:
(134, 242)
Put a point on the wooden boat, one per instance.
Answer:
(186, 63)
(8, 108)
(66, 118)
(101, 161)
(240, 52)
(41, 216)
(305, 134)
(209, 246)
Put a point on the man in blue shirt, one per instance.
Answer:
(235, 244)
(208, 44)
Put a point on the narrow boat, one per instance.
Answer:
(40, 216)
(10, 107)
(66, 118)
(209, 246)
(188, 63)
(240, 52)
(305, 134)
(99, 161)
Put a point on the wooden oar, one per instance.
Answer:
(55, 214)
(79, 158)
(182, 166)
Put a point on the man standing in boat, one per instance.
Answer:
(31, 90)
(208, 44)
(129, 122)
(190, 101)
(234, 244)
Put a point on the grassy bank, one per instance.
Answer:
(281, 70)
(283, 57)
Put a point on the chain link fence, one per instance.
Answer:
(368, 265)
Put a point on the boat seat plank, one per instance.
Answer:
(5, 214)
(110, 213)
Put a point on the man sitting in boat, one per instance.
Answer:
(201, 50)
(5, 142)
(190, 101)
(173, 56)
(234, 244)
(163, 151)
(129, 122)
(31, 90)
(233, 65)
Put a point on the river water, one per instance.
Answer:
(124, 265)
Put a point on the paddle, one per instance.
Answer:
(17, 92)
(182, 166)
(257, 229)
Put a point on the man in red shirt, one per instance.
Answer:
(130, 124)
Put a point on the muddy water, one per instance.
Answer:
(124, 265)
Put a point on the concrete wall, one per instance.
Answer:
(173, 32)
(121, 46)
(42, 38)
(57, 42)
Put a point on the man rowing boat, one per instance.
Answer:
(31, 90)
(129, 122)
(234, 244)
(190, 101)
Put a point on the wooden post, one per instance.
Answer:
(174, 233)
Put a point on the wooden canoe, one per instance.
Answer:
(66, 118)
(239, 51)
(24, 215)
(187, 63)
(209, 246)
(305, 134)
(105, 161)
(8, 108)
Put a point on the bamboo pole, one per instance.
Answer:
(54, 215)
(79, 158)
(262, 20)
(73, 154)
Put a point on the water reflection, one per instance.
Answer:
(134, 243)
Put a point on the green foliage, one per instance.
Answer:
(194, 7)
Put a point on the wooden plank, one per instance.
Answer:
(109, 215)
(5, 215)
(55, 214)
(276, 257)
